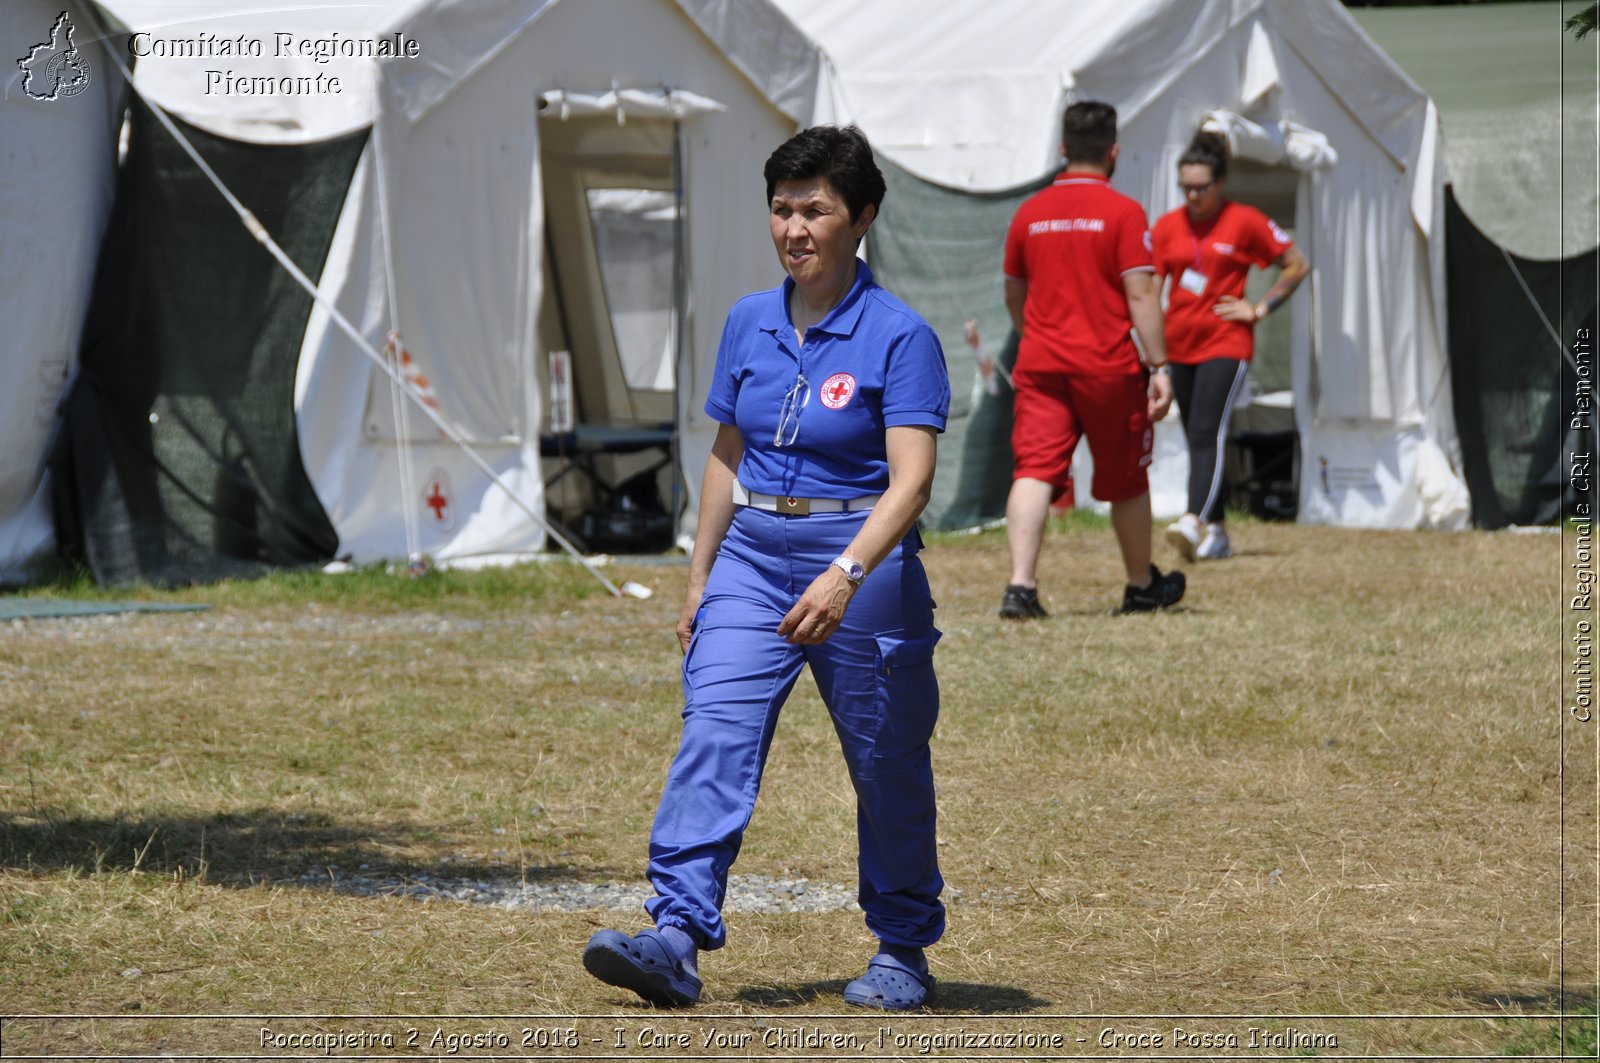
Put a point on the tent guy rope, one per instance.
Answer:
(1537, 309)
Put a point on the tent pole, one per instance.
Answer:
(399, 410)
(680, 315)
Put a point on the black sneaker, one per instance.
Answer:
(1021, 603)
(1164, 590)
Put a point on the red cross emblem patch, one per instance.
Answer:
(837, 390)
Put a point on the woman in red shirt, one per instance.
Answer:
(1206, 247)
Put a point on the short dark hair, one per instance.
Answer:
(840, 154)
(1088, 131)
(1207, 149)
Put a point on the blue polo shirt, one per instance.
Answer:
(871, 364)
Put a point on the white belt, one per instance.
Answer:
(799, 507)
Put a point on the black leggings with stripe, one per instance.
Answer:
(1206, 394)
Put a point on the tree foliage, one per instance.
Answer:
(1583, 23)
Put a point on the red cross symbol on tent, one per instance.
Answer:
(437, 498)
(837, 389)
(437, 502)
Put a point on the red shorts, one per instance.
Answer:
(1054, 410)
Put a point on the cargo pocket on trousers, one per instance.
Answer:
(908, 692)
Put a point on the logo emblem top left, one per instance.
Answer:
(56, 68)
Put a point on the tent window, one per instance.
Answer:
(633, 239)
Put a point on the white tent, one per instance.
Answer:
(521, 154)
(592, 114)
(971, 99)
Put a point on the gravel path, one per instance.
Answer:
(746, 893)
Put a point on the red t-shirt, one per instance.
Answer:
(1219, 254)
(1072, 243)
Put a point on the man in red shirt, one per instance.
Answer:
(1079, 280)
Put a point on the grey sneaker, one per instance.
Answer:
(1215, 546)
(1183, 535)
(1021, 603)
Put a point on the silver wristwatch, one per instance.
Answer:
(852, 570)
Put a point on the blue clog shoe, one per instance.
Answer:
(889, 985)
(643, 963)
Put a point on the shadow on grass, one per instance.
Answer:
(1114, 612)
(235, 849)
(961, 997)
(1548, 1000)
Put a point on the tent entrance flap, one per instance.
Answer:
(1263, 445)
(610, 210)
(614, 235)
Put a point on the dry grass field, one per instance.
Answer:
(1325, 801)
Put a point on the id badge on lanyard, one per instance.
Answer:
(1193, 281)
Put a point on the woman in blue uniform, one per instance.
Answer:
(830, 393)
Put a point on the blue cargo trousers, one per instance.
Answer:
(876, 676)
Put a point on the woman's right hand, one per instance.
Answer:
(716, 514)
(691, 606)
(1233, 308)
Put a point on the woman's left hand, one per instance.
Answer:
(816, 616)
(1233, 308)
(911, 449)
(1159, 393)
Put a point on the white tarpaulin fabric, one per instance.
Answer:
(56, 175)
(262, 73)
(975, 103)
(764, 45)
(1282, 143)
